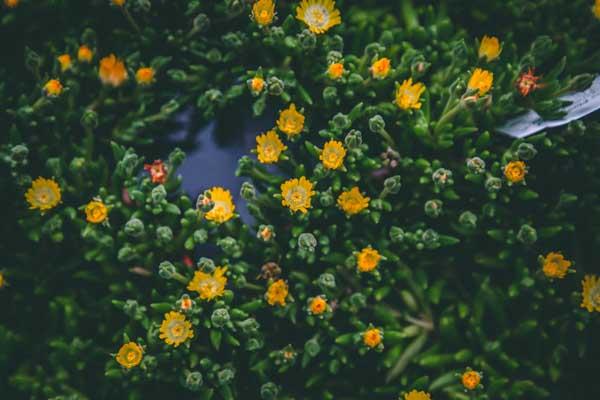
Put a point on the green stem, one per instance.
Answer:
(447, 117)
(388, 138)
(409, 15)
(131, 20)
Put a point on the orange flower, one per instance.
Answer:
(335, 70)
(84, 54)
(318, 305)
(145, 76)
(527, 82)
(515, 171)
(381, 68)
(112, 71)
(158, 171)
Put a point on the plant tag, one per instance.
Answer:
(581, 104)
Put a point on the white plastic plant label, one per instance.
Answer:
(582, 104)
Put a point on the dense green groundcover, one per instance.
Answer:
(400, 247)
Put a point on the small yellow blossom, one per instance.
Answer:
(381, 68)
(65, 62)
(368, 259)
(318, 305)
(223, 208)
(277, 293)
(266, 233)
(333, 154)
(84, 54)
(471, 379)
(481, 80)
(290, 121)
(145, 76)
(130, 355)
(591, 293)
(118, 3)
(555, 265)
(112, 71)
(296, 194)
(263, 12)
(43, 194)
(257, 84)
(596, 9)
(53, 88)
(96, 212)
(11, 3)
(269, 147)
(489, 48)
(352, 201)
(515, 171)
(414, 395)
(209, 286)
(2, 280)
(408, 95)
(372, 337)
(335, 70)
(175, 329)
(318, 15)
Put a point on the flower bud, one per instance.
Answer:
(76, 164)
(430, 238)
(396, 234)
(166, 270)
(176, 157)
(201, 23)
(230, 246)
(132, 309)
(493, 184)
(355, 79)
(164, 235)
(307, 242)
(326, 198)
(307, 39)
(225, 376)
(353, 139)
(476, 165)
(219, 317)
(89, 119)
(312, 347)
(334, 56)
(442, 177)
(265, 232)
(253, 344)
(330, 95)
(200, 236)
(19, 153)
(527, 234)
(376, 124)
(126, 253)
(358, 300)
(326, 281)
(193, 380)
(468, 220)
(275, 86)
(249, 326)
(214, 56)
(393, 184)
(526, 151)
(206, 264)
(340, 121)
(134, 227)
(248, 191)
(128, 165)
(270, 270)
(433, 208)
(269, 391)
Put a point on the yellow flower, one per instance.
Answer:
(515, 171)
(269, 147)
(414, 395)
(318, 305)
(481, 80)
(368, 259)
(2, 280)
(65, 62)
(96, 212)
(118, 3)
(290, 121)
(296, 194)
(372, 337)
(175, 330)
(408, 95)
(335, 70)
(489, 48)
(223, 208)
(11, 3)
(53, 88)
(471, 379)
(209, 286)
(596, 9)
(591, 293)
(43, 194)
(130, 355)
(318, 15)
(381, 68)
(145, 76)
(112, 71)
(257, 84)
(84, 54)
(263, 12)
(333, 154)
(277, 293)
(555, 265)
(352, 201)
